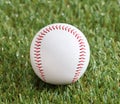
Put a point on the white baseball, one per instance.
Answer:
(59, 54)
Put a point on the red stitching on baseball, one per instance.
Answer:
(47, 29)
(76, 35)
(66, 28)
(82, 45)
(82, 54)
(37, 51)
(39, 63)
(63, 27)
(82, 49)
(74, 32)
(79, 67)
(56, 27)
(37, 57)
(37, 44)
(42, 33)
(37, 60)
(77, 74)
(37, 48)
(60, 27)
(77, 70)
(69, 29)
(81, 42)
(41, 70)
(80, 64)
(40, 37)
(50, 28)
(75, 79)
(81, 61)
(36, 54)
(81, 58)
(39, 66)
(53, 27)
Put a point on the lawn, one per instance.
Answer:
(99, 20)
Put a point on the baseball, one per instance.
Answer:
(59, 54)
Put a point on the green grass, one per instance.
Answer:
(99, 20)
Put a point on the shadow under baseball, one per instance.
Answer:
(40, 85)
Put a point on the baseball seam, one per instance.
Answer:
(37, 47)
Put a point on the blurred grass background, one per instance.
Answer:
(99, 20)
